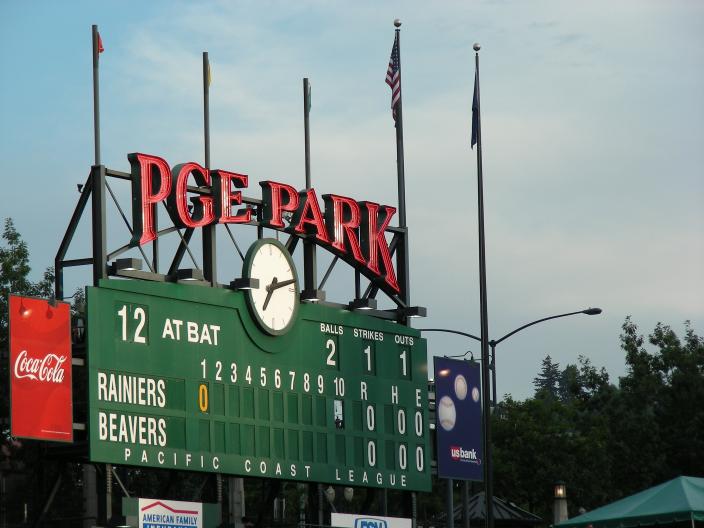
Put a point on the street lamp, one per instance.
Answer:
(560, 490)
(560, 504)
(494, 342)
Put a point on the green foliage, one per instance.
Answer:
(547, 382)
(605, 441)
(656, 420)
(14, 275)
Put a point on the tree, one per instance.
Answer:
(547, 382)
(14, 272)
(582, 382)
(680, 413)
(657, 424)
(605, 441)
(543, 439)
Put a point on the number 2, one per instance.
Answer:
(330, 345)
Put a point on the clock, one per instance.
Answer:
(274, 304)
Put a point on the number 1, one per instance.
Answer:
(122, 312)
(368, 352)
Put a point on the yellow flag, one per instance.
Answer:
(209, 76)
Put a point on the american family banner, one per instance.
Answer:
(156, 513)
(458, 423)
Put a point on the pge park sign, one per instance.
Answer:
(350, 229)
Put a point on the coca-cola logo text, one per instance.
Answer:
(49, 368)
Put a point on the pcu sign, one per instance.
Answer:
(40, 369)
(458, 419)
(347, 520)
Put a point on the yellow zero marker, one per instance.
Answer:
(203, 397)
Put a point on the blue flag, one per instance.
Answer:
(475, 109)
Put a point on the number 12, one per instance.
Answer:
(139, 315)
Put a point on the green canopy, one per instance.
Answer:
(677, 500)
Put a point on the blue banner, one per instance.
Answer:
(458, 419)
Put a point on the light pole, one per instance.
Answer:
(494, 342)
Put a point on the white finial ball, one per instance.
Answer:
(476, 46)
(397, 22)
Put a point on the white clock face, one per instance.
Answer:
(275, 301)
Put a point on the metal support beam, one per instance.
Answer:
(49, 500)
(90, 496)
(68, 236)
(100, 270)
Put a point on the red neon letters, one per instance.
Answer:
(177, 202)
(353, 230)
(151, 186)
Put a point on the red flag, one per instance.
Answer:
(100, 44)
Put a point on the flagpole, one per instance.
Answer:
(96, 96)
(209, 268)
(402, 248)
(97, 174)
(309, 256)
(306, 127)
(402, 251)
(488, 484)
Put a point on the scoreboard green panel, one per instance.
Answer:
(182, 377)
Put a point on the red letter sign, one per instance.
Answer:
(275, 204)
(151, 183)
(308, 218)
(342, 219)
(40, 369)
(375, 220)
(224, 197)
(178, 201)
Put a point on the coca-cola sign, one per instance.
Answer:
(49, 368)
(40, 360)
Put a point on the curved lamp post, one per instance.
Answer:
(494, 342)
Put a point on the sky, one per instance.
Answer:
(592, 132)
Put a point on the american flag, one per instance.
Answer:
(393, 76)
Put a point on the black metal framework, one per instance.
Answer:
(96, 189)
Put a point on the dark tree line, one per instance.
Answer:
(605, 440)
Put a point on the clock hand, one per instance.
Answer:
(281, 284)
(269, 292)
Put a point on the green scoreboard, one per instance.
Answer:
(181, 376)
